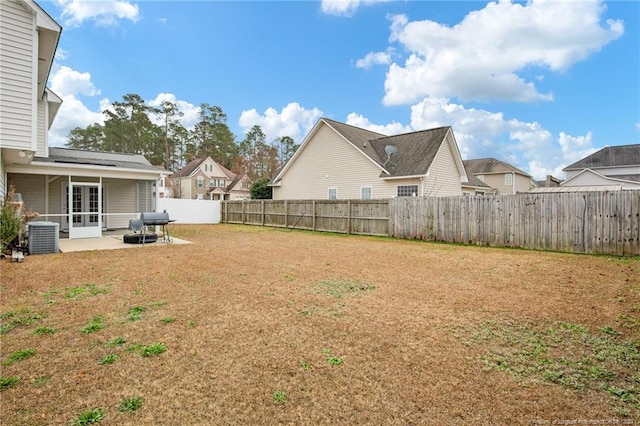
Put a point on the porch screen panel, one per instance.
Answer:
(144, 197)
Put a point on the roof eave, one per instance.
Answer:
(84, 169)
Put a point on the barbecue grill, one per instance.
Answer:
(150, 219)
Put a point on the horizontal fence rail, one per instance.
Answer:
(580, 222)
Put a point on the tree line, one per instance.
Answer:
(131, 126)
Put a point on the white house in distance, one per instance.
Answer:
(611, 168)
(85, 192)
(339, 161)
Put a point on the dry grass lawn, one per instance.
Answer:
(266, 326)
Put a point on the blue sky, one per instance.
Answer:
(539, 84)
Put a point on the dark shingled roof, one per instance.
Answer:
(194, 164)
(481, 166)
(189, 168)
(474, 181)
(96, 158)
(611, 156)
(359, 137)
(415, 150)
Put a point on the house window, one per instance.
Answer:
(200, 182)
(199, 197)
(222, 183)
(333, 193)
(508, 179)
(479, 192)
(480, 177)
(407, 190)
(212, 182)
(366, 192)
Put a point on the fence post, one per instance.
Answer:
(286, 214)
(242, 212)
(262, 213)
(348, 217)
(313, 221)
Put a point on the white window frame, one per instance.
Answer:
(362, 188)
(212, 183)
(412, 194)
(508, 179)
(329, 193)
(199, 182)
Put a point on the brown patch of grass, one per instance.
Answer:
(255, 311)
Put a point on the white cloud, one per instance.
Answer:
(72, 113)
(293, 120)
(481, 57)
(190, 112)
(69, 84)
(481, 133)
(345, 7)
(376, 58)
(103, 12)
(66, 81)
(392, 128)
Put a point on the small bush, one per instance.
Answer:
(44, 330)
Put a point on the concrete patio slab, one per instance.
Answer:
(108, 242)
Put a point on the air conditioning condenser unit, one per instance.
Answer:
(43, 237)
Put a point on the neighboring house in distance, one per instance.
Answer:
(204, 179)
(339, 161)
(611, 168)
(474, 186)
(85, 192)
(549, 182)
(502, 177)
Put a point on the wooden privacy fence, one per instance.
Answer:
(369, 217)
(578, 222)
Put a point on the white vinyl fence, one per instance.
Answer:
(190, 211)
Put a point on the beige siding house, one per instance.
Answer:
(500, 177)
(339, 161)
(204, 179)
(85, 192)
